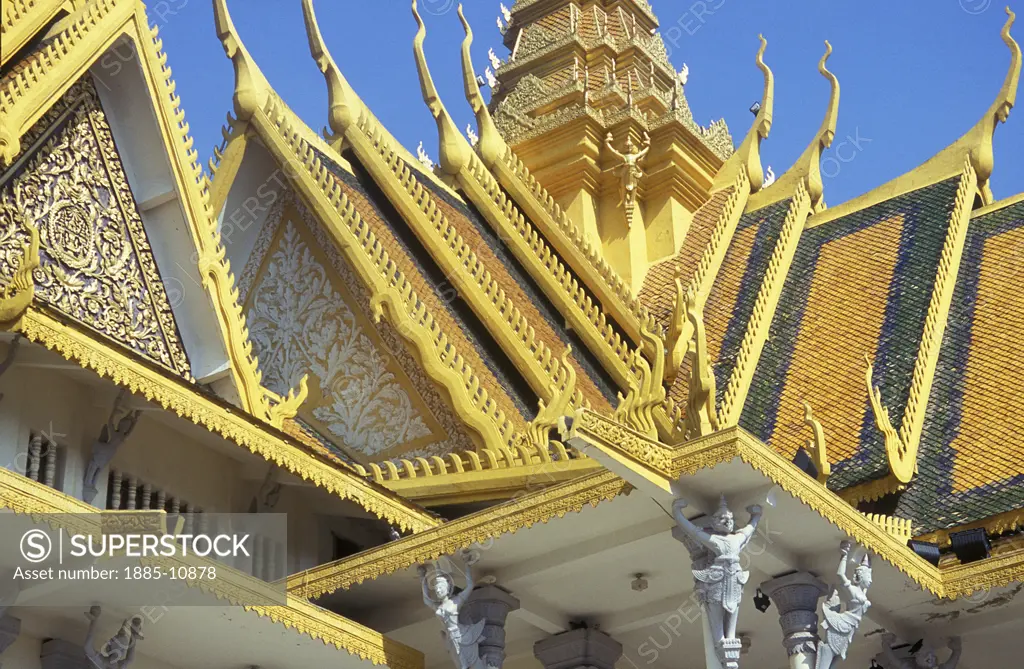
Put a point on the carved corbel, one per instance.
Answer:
(903, 467)
(287, 407)
(111, 437)
(17, 295)
(816, 446)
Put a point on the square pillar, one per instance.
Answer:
(796, 597)
(492, 604)
(578, 649)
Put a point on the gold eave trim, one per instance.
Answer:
(661, 465)
(176, 396)
(24, 496)
(519, 513)
(23, 19)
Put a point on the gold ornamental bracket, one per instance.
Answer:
(17, 295)
(976, 144)
(807, 167)
(747, 157)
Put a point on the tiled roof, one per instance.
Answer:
(859, 285)
(737, 284)
(734, 292)
(658, 292)
(970, 463)
(509, 390)
(591, 379)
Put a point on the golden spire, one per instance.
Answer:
(748, 156)
(251, 87)
(491, 145)
(344, 105)
(808, 165)
(453, 147)
(977, 143)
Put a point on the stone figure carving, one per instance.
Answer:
(119, 651)
(925, 658)
(718, 576)
(629, 169)
(112, 436)
(841, 625)
(439, 594)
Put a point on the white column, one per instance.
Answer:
(796, 597)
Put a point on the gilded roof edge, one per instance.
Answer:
(975, 146)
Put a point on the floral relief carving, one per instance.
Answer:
(96, 265)
(300, 324)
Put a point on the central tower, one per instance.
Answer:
(590, 102)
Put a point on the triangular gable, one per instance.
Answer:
(112, 40)
(96, 263)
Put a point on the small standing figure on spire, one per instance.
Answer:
(495, 61)
(840, 626)
(440, 596)
(629, 169)
(925, 658)
(421, 154)
(718, 576)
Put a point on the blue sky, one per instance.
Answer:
(915, 74)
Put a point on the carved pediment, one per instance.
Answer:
(96, 264)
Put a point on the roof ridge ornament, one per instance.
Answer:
(748, 156)
(977, 142)
(251, 87)
(808, 165)
(491, 145)
(453, 148)
(345, 106)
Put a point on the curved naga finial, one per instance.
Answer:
(561, 399)
(16, 296)
(251, 87)
(808, 165)
(454, 149)
(748, 156)
(701, 411)
(816, 446)
(900, 463)
(491, 145)
(977, 143)
(647, 391)
(345, 105)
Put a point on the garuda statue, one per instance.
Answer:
(717, 574)
(439, 594)
(841, 625)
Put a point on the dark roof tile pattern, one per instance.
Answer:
(970, 462)
(859, 285)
